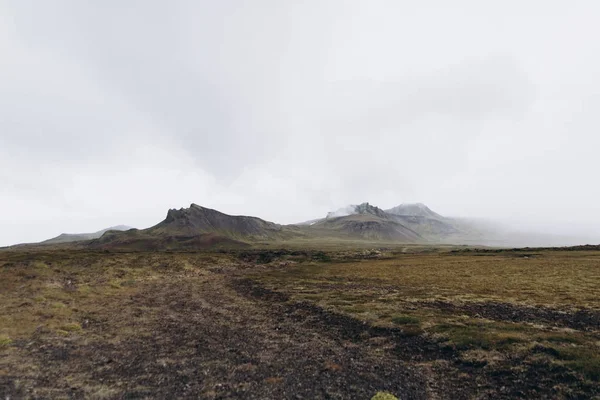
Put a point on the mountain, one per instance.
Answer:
(199, 220)
(364, 208)
(199, 227)
(309, 222)
(406, 222)
(76, 237)
(363, 221)
(414, 210)
(429, 224)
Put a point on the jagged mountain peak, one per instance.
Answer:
(353, 209)
(184, 213)
(197, 220)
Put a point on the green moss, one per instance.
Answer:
(412, 330)
(589, 367)
(84, 289)
(5, 341)
(39, 265)
(582, 360)
(556, 338)
(356, 309)
(114, 284)
(384, 396)
(467, 336)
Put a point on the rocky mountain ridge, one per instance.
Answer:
(200, 227)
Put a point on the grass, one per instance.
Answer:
(580, 359)
(422, 292)
(54, 300)
(406, 290)
(53, 289)
(71, 327)
(5, 341)
(405, 320)
(494, 336)
(384, 396)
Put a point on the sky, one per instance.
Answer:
(112, 112)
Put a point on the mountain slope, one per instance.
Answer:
(414, 218)
(364, 221)
(198, 227)
(430, 228)
(429, 224)
(200, 220)
(414, 210)
(76, 237)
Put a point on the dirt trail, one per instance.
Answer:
(200, 338)
(446, 374)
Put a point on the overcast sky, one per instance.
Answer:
(112, 112)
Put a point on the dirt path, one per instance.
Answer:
(201, 338)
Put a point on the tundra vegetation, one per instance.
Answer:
(410, 322)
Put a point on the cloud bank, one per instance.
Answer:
(111, 113)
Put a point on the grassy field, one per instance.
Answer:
(416, 321)
(557, 279)
(509, 300)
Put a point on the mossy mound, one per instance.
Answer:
(384, 396)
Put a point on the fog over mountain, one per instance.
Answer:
(113, 112)
(75, 237)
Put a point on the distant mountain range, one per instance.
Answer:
(201, 227)
(198, 226)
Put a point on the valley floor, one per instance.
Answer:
(261, 324)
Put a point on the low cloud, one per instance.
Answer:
(112, 113)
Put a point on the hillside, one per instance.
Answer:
(76, 237)
(198, 227)
(367, 222)
(201, 227)
(200, 220)
(429, 224)
(400, 223)
(414, 210)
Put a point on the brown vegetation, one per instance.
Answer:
(300, 323)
